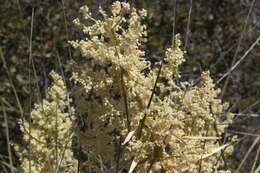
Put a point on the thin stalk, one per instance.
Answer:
(63, 153)
(154, 87)
(246, 110)
(139, 134)
(56, 136)
(66, 27)
(173, 22)
(249, 151)
(18, 4)
(188, 26)
(256, 158)
(238, 48)
(228, 73)
(123, 86)
(222, 154)
(8, 138)
(3, 167)
(30, 86)
(11, 83)
(125, 101)
(65, 83)
(37, 81)
(118, 154)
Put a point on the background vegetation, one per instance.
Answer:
(215, 34)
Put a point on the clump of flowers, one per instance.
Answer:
(130, 115)
(135, 116)
(48, 136)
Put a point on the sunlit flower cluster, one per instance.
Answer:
(129, 115)
(48, 136)
(176, 130)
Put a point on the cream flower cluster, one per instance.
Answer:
(130, 116)
(174, 131)
(48, 136)
(116, 88)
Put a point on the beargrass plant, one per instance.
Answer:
(129, 116)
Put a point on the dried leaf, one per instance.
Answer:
(214, 151)
(128, 137)
(201, 137)
(132, 167)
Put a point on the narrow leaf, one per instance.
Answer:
(128, 137)
(201, 137)
(132, 167)
(214, 151)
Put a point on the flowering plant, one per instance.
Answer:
(167, 127)
(134, 116)
(49, 133)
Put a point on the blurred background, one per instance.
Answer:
(216, 35)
